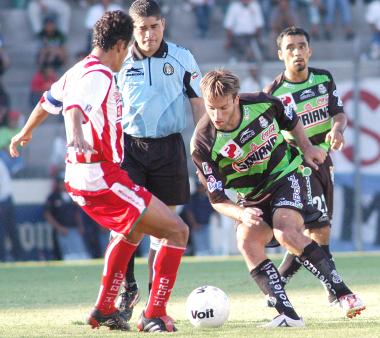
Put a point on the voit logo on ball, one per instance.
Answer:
(207, 306)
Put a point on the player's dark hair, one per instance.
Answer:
(292, 31)
(220, 82)
(145, 8)
(110, 28)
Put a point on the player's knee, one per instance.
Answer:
(180, 233)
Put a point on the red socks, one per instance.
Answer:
(116, 259)
(165, 269)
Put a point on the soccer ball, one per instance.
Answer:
(207, 306)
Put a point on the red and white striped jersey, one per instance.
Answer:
(90, 86)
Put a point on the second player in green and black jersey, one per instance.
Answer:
(315, 101)
(251, 158)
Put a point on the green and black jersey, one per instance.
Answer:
(315, 101)
(251, 158)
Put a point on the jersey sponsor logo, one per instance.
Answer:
(207, 170)
(307, 94)
(257, 155)
(339, 103)
(289, 204)
(263, 122)
(267, 134)
(134, 71)
(296, 190)
(88, 108)
(246, 113)
(231, 150)
(288, 100)
(168, 69)
(213, 184)
(314, 117)
(322, 89)
(129, 196)
(246, 135)
(289, 112)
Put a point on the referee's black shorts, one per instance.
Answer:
(160, 165)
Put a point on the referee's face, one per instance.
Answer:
(148, 33)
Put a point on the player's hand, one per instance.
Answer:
(19, 139)
(336, 139)
(314, 156)
(251, 216)
(81, 146)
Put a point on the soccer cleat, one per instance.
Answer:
(351, 304)
(159, 324)
(284, 321)
(127, 301)
(113, 321)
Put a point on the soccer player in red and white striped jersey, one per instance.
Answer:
(88, 98)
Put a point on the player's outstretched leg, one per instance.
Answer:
(117, 255)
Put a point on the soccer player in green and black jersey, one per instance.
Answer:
(312, 94)
(238, 145)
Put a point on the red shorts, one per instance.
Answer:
(120, 206)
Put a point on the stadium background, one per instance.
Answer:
(357, 175)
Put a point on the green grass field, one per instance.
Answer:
(52, 299)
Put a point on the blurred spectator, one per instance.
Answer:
(243, 23)
(65, 218)
(373, 19)
(198, 213)
(253, 82)
(42, 80)
(314, 10)
(7, 131)
(38, 10)
(52, 51)
(4, 97)
(94, 13)
(344, 11)
(8, 225)
(58, 152)
(202, 11)
(282, 16)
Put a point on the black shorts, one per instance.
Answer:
(160, 165)
(290, 193)
(320, 188)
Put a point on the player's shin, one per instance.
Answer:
(318, 263)
(117, 255)
(268, 280)
(165, 269)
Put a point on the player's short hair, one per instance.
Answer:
(292, 31)
(219, 82)
(110, 28)
(145, 8)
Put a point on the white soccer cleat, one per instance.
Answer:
(351, 304)
(284, 321)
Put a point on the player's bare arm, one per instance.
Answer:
(313, 155)
(22, 138)
(248, 216)
(74, 120)
(335, 135)
(197, 108)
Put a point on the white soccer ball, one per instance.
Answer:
(207, 306)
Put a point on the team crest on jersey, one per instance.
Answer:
(322, 89)
(263, 122)
(231, 150)
(213, 184)
(168, 69)
(340, 103)
(207, 170)
(288, 100)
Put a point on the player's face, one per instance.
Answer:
(148, 33)
(295, 52)
(223, 112)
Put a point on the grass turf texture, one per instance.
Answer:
(52, 299)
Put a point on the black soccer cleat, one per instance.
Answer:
(113, 321)
(127, 301)
(159, 324)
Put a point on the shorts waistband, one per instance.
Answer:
(152, 139)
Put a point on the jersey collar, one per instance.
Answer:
(162, 52)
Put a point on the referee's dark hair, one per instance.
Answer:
(110, 28)
(292, 31)
(145, 8)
